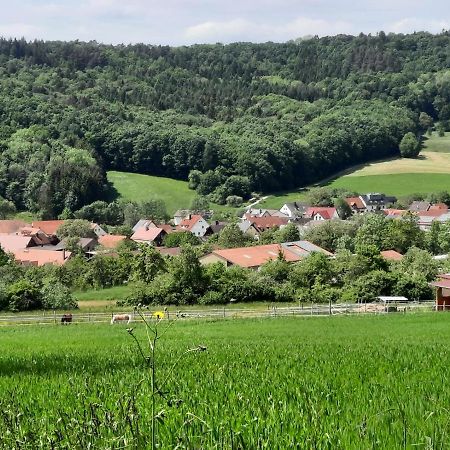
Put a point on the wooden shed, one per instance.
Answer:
(442, 286)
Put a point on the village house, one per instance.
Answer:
(40, 257)
(321, 213)
(11, 242)
(262, 212)
(111, 241)
(356, 205)
(391, 255)
(149, 235)
(196, 224)
(254, 257)
(294, 210)
(442, 286)
(144, 223)
(182, 214)
(417, 206)
(376, 201)
(49, 227)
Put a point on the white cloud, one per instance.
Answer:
(241, 29)
(19, 30)
(410, 24)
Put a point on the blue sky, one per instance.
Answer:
(181, 22)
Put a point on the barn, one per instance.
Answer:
(442, 286)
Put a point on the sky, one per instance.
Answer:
(186, 22)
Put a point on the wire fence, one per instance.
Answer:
(311, 309)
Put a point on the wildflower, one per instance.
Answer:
(158, 315)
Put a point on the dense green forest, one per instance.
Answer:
(230, 118)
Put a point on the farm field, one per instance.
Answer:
(341, 383)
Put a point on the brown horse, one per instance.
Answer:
(66, 319)
(121, 318)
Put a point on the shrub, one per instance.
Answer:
(213, 298)
(409, 146)
(23, 296)
(234, 200)
(57, 296)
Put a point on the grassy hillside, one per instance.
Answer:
(396, 176)
(174, 193)
(139, 188)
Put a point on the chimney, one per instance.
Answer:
(64, 254)
(217, 222)
(189, 216)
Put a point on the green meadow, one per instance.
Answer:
(324, 382)
(175, 193)
(139, 188)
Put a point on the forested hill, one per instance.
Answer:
(233, 118)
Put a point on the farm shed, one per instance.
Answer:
(442, 292)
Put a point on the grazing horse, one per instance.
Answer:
(66, 319)
(121, 318)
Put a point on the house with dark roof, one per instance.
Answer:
(376, 201)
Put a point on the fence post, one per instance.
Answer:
(54, 315)
(224, 312)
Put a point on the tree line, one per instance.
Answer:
(239, 118)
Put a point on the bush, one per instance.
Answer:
(23, 296)
(57, 296)
(409, 146)
(234, 201)
(213, 298)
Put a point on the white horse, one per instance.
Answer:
(121, 318)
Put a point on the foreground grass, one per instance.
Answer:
(341, 383)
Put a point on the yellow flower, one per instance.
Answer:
(158, 315)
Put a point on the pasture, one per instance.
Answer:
(339, 382)
(175, 193)
(140, 188)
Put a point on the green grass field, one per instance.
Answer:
(174, 193)
(435, 143)
(337, 383)
(139, 188)
(399, 177)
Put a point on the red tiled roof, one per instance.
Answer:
(431, 213)
(166, 227)
(439, 206)
(169, 251)
(12, 242)
(322, 210)
(11, 226)
(255, 256)
(49, 227)
(391, 255)
(187, 224)
(355, 202)
(144, 234)
(111, 240)
(444, 283)
(268, 221)
(37, 257)
(394, 212)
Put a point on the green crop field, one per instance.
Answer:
(335, 383)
